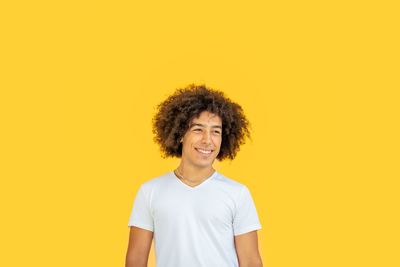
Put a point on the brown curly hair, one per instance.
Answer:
(174, 115)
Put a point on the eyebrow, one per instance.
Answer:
(202, 125)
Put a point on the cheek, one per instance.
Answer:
(217, 141)
(194, 139)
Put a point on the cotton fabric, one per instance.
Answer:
(194, 226)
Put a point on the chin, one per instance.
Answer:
(206, 164)
(203, 164)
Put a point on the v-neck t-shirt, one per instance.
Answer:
(194, 226)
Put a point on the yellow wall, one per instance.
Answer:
(318, 80)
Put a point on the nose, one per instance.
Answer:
(206, 137)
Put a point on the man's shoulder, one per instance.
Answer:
(157, 181)
(229, 183)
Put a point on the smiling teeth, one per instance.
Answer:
(205, 151)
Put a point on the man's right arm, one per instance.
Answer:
(138, 247)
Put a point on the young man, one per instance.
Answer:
(199, 217)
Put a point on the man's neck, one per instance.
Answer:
(193, 174)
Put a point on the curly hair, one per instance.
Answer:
(174, 115)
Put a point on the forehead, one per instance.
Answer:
(207, 117)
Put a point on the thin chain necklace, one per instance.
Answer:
(180, 176)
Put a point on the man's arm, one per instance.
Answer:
(247, 250)
(138, 247)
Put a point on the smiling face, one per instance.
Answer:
(202, 141)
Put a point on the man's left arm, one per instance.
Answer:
(247, 250)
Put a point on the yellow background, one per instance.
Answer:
(319, 81)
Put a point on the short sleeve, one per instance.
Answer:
(246, 217)
(141, 214)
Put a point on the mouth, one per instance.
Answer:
(204, 151)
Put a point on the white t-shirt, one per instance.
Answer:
(194, 226)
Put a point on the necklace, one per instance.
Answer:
(180, 176)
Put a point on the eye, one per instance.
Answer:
(217, 132)
(197, 130)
